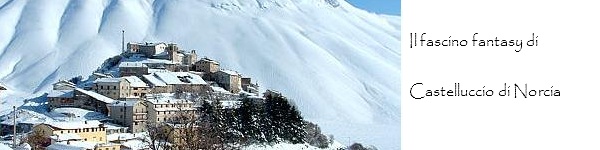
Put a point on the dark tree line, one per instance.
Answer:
(255, 121)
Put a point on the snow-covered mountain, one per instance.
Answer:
(340, 64)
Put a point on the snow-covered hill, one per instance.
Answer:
(340, 64)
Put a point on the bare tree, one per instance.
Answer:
(37, 140)
(158, 135)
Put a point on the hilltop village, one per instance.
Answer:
(148, 84)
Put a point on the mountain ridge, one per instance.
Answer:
(336, 62)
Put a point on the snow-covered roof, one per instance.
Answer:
(65, 82)
(155, 61)
(135, 81)
(113, 126)
(102, 75)
(65, 113)
(209, 60)
(131, 64)
(64, 146)
(66, 137)
(154, 80)
(168, 78)
(164, 98)
(61, 93)
(147, 43)
(96, 95)
(74, 124)
(126, 103)
(179, 78)
(123, 136)
(157, 70)
(229, 72)
(192, 78)
(75, 145)
(108, 80)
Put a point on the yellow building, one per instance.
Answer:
(79, 134)
(92, 131)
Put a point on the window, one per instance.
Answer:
(114, 87)
(102, 87)
(135, 88)
(61, 132)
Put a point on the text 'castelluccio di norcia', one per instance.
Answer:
(420, 91)
(423, 40)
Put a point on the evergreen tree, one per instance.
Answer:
(286, 123)
(251, 117)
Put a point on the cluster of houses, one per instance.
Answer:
(143, 90)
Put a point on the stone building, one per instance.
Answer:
(137, 87)
(173, 53)
(166, 108)
(91, 101)
(248, 86)
(61, 98)
(79, 98)
(189, 58)
(114, 88)
(229, 80)
(132, 69)
(169, 82)
(206, 65)
(63, 85)
(131, 114)
(147, 49)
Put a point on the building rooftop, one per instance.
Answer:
(123, 136)
(135, 81)
(66, 137)
(96, 96)
(147, 43)
(205, 59)
(108, 80)
(61, 93)
(124, 103)
(165, 98)
(154, 80)
(73, 114)
(64, 146)
(155, 61)
(74, 124)
(172, 78)
(131, 64)
(229, 72)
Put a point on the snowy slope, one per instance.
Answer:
(338, 63)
